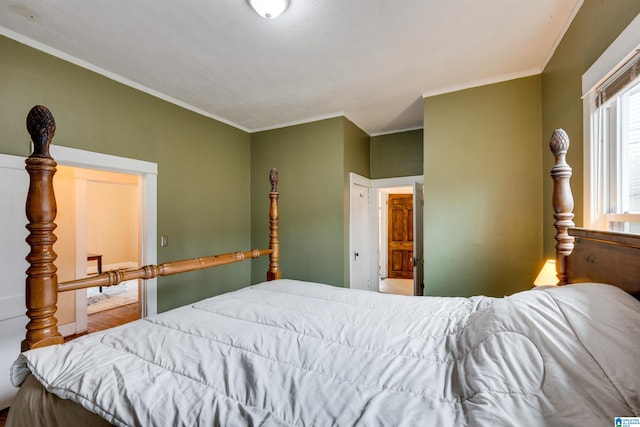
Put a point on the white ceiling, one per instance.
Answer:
(371, 60)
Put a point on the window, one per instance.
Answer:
(612, 136)
(617, 153)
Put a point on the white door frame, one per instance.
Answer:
(149, 178)
(418, 238)
(375, 187)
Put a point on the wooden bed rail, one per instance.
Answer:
(115, 277)
(42, 283)
(562, 203)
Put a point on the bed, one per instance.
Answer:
(286, 352)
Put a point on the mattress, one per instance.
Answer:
(296, 353)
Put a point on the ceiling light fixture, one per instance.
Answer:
(269, 9)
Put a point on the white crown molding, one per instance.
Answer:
(567, 24)
(391, 132)
(302, 121)
(113, 76)
(480, 83)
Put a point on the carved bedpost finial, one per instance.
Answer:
(559, 144)
(42, 127)
(562, 203)
(274, 239)
(273, 177)
(42, 281)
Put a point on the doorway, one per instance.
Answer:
(96, 176)
(107, 223)
(374, 223)
(400, 236)
(395, 222)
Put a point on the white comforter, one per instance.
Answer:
(295, 353)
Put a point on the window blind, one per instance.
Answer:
(622, 78)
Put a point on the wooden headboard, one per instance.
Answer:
(42, 285)
(588, 255)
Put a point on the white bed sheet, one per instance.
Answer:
(296, 353)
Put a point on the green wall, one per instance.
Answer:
(483, 189)
(397, 154)
(594, 28)
(203, 181)
(356, 151)
(356, 159)
(309, 158)
(313, 160)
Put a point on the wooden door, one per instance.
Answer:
(400, 232)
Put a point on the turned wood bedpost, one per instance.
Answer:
(42, 281)
(562, 203)
(274, 240)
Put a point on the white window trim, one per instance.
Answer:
(619, 52)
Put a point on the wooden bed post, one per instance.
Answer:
(274, 240)
(42, 281)
(42, 285)
(562, 203)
